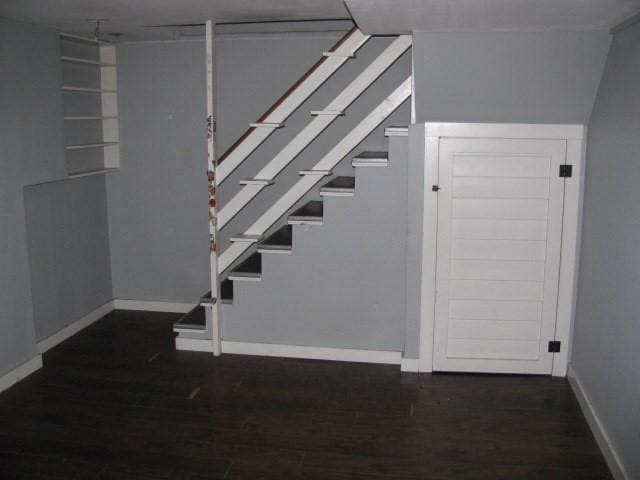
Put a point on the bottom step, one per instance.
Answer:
(194, 320)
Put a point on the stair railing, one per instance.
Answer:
(311, 177)
(274, 118)
(323, 118)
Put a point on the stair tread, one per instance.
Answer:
(372, 156)
(195, 319)
(282, 238)
(340, 183)
(226, 292)
(312, 209)
(252, 266)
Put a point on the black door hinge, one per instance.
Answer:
(554, 346)
(566, 171)
(435, 188)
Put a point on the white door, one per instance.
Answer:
(500, 204)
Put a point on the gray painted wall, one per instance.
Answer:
(157, 201)
(68, 245)
(45, 256)
(606, 356)
(343, 285)
(537, 77)
(31, 139)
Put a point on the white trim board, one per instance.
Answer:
(595, 424)
(293, 351)
(575, 137)
(21, 371)
(410, 365)
(152, 306)
(70, 330)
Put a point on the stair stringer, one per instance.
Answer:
(343, 286)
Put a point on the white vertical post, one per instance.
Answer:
(214, 314)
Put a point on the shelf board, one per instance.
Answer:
(90, 118)
(79, 38)
(85, 146)
(70, 88)
(87, 173)
(86, 61)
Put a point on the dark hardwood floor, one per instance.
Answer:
(117, 402)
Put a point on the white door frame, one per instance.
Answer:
(575, 136)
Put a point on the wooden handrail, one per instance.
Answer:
(284, 96)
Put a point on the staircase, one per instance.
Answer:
(283, 263)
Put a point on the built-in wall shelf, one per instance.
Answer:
(89, 118)
(84, 146)
(90, 104)
(79, 38)
(73, 88)
(88, 173)
(86, 61)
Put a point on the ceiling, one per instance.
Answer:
(135, 18)
(404, 16)
(139, 19)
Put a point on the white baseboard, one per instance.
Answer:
(292, 351)
(70, 330)
(150, 306)
(409, 365)
(599, 432)
(315, 353)
(20, 372)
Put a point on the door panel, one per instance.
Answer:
(498, 254)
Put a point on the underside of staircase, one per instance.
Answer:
(300, 268)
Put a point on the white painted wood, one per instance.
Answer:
(86, 146)
(85, 61)
(304, 222)
(316, 126)
(264, 182)
(429, 238)
(244, 278)
(495, 310)
(315, 353)
(371, 159)
(344, 193)
(152, 306)
(194, 344)
(73, 88)
(336, 113)
(607, 447)
(352, 43)
(569, 266)
(488, 229)
(21, 371)
(330, 160)
(497, 344)
(396, 131)
(504, 130)
(78, 38)
(575, 136)
(109, 107)
(492, 187)
(88, 173)
(89, 118)
(338, 54)
(323, 173)
(70, 330)
(242, 237)
(266, 125)
(409, 365)
(213, 311)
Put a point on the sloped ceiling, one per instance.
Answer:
(404, 16)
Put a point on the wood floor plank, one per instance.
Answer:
(116, 401)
